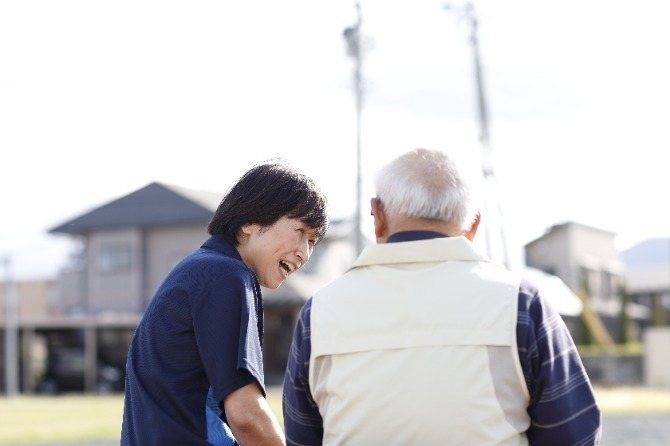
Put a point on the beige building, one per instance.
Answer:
(128, 247)
(85, 318)
(647, 276)
(586, 259)
(579, 254)
(35, 298)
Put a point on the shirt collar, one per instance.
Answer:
(442, 249)
(219, 244)
(410, 236)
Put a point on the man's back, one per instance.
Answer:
(525, 382)
(430, 328)
(426, 342)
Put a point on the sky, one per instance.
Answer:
(99, 98)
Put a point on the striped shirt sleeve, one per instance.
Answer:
(302, 421)
(562, 408)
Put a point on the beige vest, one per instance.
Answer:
(416, 344)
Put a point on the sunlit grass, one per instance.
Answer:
(633, 400)
(71, 418)
(274, 398)
(60, 418)
(629, 349)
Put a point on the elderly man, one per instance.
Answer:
(425, 341)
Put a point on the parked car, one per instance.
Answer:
(65, 372)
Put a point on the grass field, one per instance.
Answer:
(633, 400)
(60, 418)
(71, 418)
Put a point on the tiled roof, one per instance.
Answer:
(156, 204)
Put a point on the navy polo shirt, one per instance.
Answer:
(199, 340)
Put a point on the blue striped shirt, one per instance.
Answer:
(562, 408)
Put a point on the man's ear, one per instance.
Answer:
(470, 233)
(381, 222)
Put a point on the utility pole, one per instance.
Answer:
(491, 201)
(352, 36)
(11, 332)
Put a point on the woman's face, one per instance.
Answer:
(274, 252)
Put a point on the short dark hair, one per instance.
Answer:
(265, 194)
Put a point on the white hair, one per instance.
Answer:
(425, 184)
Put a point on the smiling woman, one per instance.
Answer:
(195, 366)
(273, 216)
(273, 252)
(265, 194)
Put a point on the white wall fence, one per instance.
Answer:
(657, 357)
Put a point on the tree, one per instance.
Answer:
(658, 318)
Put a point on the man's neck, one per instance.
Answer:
(399, 224)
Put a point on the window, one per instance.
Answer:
(114, 258)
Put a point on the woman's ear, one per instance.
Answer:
(245, 231)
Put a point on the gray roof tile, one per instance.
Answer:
(153, 205)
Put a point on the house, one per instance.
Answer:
(34, 302)
(129, 245)
(82, 323)
(35, 298)
(647, 276)
(587, 260)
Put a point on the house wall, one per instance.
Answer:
(114, 290)
(571, 251)
(594, 252)
(35, 298)
(657, 356)
(593, 242)
(71, 289)
(165, 248)
(153, 253)
(551, 254)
